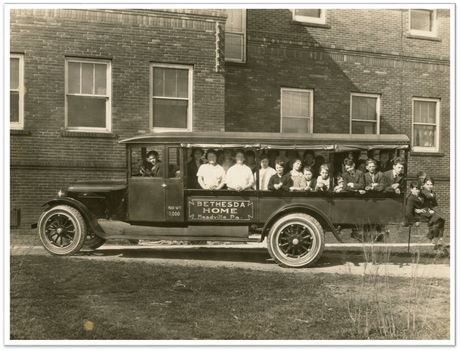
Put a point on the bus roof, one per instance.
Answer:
(275, 140)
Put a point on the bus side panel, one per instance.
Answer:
(270, 204)
(367, 210)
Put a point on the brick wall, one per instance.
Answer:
(46, 156)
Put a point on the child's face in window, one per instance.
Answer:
(415, 191)
(340, 181)
(297, 164)
(308, 175)
(349, 168)
(428, 185)
(264, 163)
(279, 169)
(324, 173)
(212, 158)
(399, 168)
(239, 158)
(371, 167)
(197, 155)
(152, 159)
(384, 157)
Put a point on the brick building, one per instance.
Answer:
(83, 79)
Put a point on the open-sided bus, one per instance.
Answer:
(164, 208)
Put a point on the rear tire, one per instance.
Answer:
(62, 230)
(296, 240)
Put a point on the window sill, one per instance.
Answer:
(311, 24)
(422, 37)
(236, 63)
(427, 153)
(76, 134)
(20, 132)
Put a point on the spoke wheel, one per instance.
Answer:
(62, 230)
(296, 240)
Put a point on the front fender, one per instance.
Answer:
(90, 218)
(305, 208)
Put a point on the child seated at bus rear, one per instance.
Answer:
(373, 180)
(323, 182)
(310, 182)
(239, 176)
(280, 181)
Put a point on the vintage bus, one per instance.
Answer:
(165, 207)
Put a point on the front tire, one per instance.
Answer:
(296, 240)
(62, 230)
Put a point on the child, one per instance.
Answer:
(340, 187)
(435, 221)
(353, 178)
(297, 176)
(265, 172)
(151, 167)
(309, 182)
(373, 180)
(394, 180)
(279, 181)
(239, 176)
(323, 182)
(211, 175)
(421, 177)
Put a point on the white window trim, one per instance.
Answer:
(108, 95)
(190, 98)
(310, 126)
(308, 19)
(438, 126)
(21, 91)
(424, 33)
(244, 40)
(377, 109)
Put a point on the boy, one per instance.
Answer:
(192, 168)
(353, 178)
(323, 182)
(279, 181)
(151, 167)
(211, 175)
(373, 180)
(239, 176)
(265, 172)
(393, 180)
(435, 222)
(385, 163)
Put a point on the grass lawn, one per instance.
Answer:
(69, 298)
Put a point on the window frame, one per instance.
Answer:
(308, 19)
(108, 94)
(423, 33)
(311, 110)
(243, 60)
(19, 125)
(377, 110)
(436, 148)
(189, 99)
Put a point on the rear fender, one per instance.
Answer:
(90, 219)
(304, 208)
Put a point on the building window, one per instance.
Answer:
(235, 35)
(422, 22)
(16, 91)
(88, 95)
(316, 16)
(296, 110)
(364, 114)
(171, 97)
(425, 125)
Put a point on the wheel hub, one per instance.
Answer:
(295, 241)
(59, 230)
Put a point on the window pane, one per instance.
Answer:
(84, 111)
(173, 163)
(234, 46)
(169, 113)
(364, 108)
(295, 125)
(424, 136)
(14, 73)
(425, 111)
(421, 20)
(87, 78)
(308, 12)
(100, 79)
(363, 127)
(170, 82)
(14, 106)
(182, 83)
(234, 21)
(73, 84)
(295, 104)
(158, 82)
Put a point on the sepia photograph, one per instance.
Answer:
(229, 174)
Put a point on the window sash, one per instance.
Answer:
(308, 116)
(93, 95)
(188, 99)
(436, 126)
(433, 24)
(377, 111)
(20, 90)
(240, 33)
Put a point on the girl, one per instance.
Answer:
(323, 182)
(309, 182)
(297, 176)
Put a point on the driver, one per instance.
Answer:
(151, 167)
